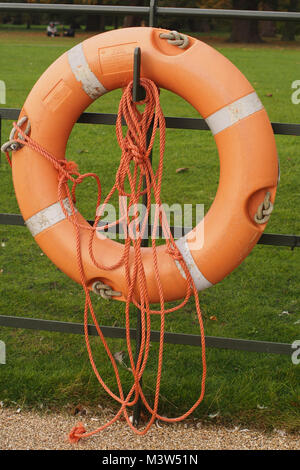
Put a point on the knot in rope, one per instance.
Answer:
(135, 145)
(175, 253)
(69, 166)
(135, 153)
(66, 169)
(264, 210)
(176, 39)
(76, 433)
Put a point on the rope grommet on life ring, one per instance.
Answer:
(264, 210)
(104, 291)
(12, 145)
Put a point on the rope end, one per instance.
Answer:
(8, 159)
(76, 433)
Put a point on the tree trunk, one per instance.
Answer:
(95, 23)
(28, 21)
(198, 26)
(268, 28)
(133, 20)
(17, 19)
(245, 30)
(116, 22)
(290, 27)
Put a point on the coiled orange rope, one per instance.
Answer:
(134, 166)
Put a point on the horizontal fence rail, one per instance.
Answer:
(153, 11)
(230, 14)
(172, 122)
(145, 11)
(292, 241)
(170, 338)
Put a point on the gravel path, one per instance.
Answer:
(32, 430)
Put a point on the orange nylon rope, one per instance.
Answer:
(134, 166)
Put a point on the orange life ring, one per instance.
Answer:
(220, 93)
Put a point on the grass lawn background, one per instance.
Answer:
(52, 369)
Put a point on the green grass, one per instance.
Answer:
(53, 369)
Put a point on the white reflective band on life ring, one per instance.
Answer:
(234, 112)
(47, 217)
(200, 281)
(83, 73)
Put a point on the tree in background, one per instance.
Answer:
(245, 30)
(204, 24)
(268, 28)
(97, 22)
(134, 20)
(195, 23)
(93, 22)
(240, 30)
(251, 30)
(288, 28)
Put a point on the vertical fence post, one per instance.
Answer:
(153, 14)
(138, 94)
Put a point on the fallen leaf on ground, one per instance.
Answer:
(284, 312)
(180, 170)
(79, 409)
(119, 356)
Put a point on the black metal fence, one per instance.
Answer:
(152, 12)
